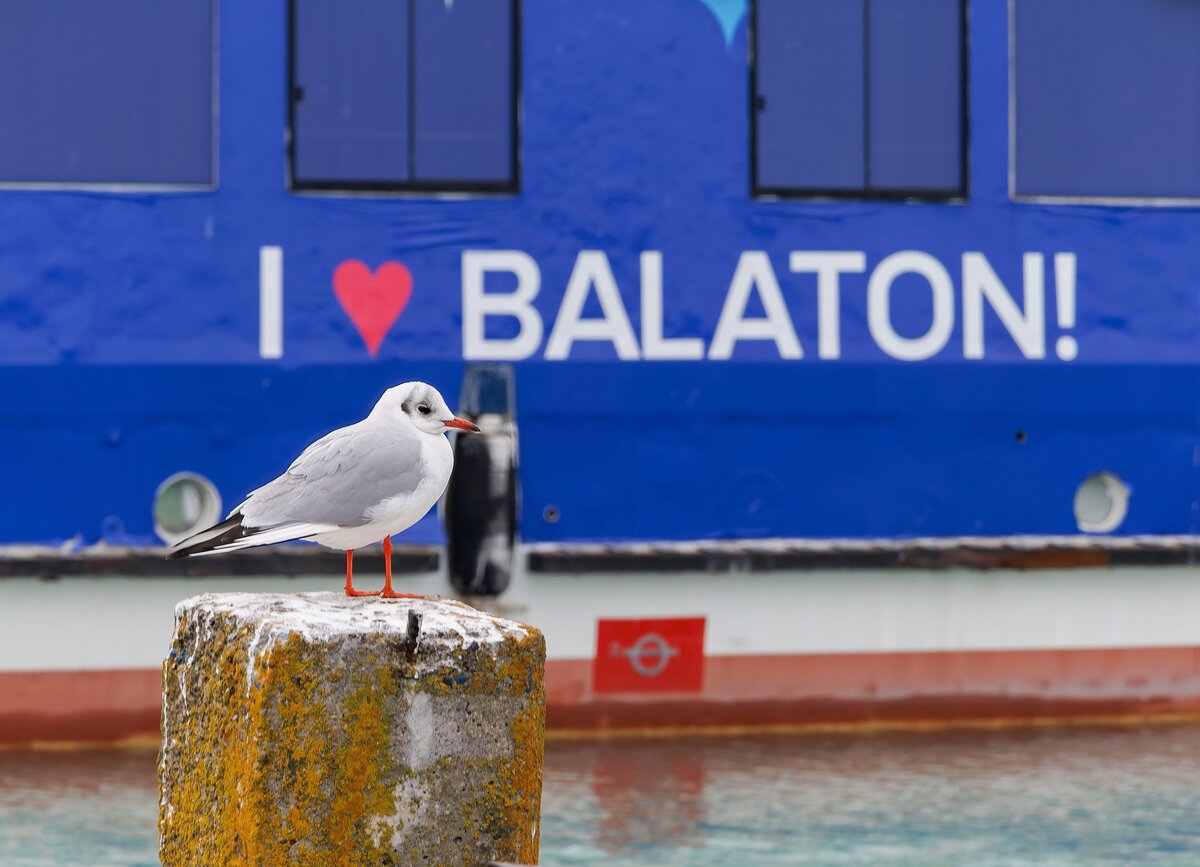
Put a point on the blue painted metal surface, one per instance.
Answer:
(129, 322)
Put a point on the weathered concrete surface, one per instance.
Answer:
(310, 729)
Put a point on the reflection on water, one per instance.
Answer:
(1087, 797)
(77, 807)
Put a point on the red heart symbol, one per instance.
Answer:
(372, 301)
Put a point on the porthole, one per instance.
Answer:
(185, 504)
(1101, 503)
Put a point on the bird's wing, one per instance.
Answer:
(338, 479)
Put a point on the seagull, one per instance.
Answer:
(352, 487)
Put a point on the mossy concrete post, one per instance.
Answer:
(316, 729)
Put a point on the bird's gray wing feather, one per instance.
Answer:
(337, 479)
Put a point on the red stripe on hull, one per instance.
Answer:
(791, 690)
(57, 706)
(858, 688)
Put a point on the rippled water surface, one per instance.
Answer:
(1088, 797)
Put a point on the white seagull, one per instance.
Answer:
(354, 486)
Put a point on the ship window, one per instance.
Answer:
(858, 98)
(404, 94)
(184, 504)
(106, 93)
(1105, 95)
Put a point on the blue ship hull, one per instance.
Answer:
(132, 341)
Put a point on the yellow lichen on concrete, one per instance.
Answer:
(288, 745)
(320, 773)
(523, 775)
(224, 735)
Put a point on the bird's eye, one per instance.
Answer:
(423, 409)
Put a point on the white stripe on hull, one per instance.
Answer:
(120, 623)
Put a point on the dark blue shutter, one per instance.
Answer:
(1108, 98)
(351, 91)
(915, 95)
(463, 74)
(106, 92)
(810, 94)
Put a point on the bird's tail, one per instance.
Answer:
(232, 535)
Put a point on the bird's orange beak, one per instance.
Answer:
(462, 424)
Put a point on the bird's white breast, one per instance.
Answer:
(405, 509)
(395, 514)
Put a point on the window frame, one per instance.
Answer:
(133, 187)
(768, 193)
(410, 187)
(1039, 199)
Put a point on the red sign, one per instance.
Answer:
(660, 655)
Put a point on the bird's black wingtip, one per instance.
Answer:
(227, 531)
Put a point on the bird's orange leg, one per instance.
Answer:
(350, 591)
(388, 592)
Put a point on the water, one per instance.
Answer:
(78, 808)
(1066, 797)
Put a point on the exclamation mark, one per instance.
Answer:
(1064, 295)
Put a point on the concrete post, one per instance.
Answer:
(319, 729)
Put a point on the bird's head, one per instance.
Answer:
(420, 405)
